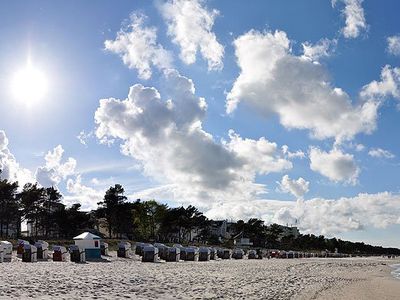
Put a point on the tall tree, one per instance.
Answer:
(32, 199)
(9, 204)
(51, 204)
(108, 209)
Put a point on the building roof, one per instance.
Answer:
(87, 236)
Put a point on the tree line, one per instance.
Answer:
(150, 220)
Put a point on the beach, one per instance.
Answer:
(347, 278)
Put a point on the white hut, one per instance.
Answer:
(124, 249)
(42, 250)
(7, 250)
(150, 254)
(204, 254)
(29, 254)
(78, 254)
(90, 243)
(59, 253)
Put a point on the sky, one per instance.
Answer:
(282, 110)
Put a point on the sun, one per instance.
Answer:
(29, 84)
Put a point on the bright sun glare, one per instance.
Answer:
(29, 84)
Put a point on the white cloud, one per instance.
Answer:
(388, 86)
(335, 165)
(355, 19)
(190, 26)
(323, 48)
(137, 45)
(10, 168)
(54, 170)
(359, 147)
(275, 81)
(80, 193)
(380, 153)
(297, 188)
(83, 137)
(330, 217)
(318, 215)
(393, 46)
(177, 149)
(298, 154)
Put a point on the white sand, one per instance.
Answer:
(233, 279)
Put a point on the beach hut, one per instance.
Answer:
(162, 250)
(78, 254)
(226, 254)
(90, 243)
(42, 250)
(150, 254)
(237, 253)
(124, 249)
(283, 254)
(20, 247)
(204, 254)
(213, 253)
(252, 254)
(29, 254)
(191, 253)
(59, 253)
(104, 248)
(290, 254)
(7, 250)
(139, 248)
(174, 254)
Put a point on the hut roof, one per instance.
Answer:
(87, 236)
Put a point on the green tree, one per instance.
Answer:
(109, 207)
(32, 199)
(9, 206)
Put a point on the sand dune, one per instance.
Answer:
(233, 279)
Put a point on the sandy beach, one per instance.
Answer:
(357, 278)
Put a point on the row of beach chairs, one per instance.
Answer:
(40, 252)
(158, 251)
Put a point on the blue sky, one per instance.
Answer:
(343, 180)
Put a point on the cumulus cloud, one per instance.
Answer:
(354, 16)
(298, 154)
(275, 81)
(297, 188)
(318, 215)
(80, 193)
(166, 137)
(323, 48)
(380, 153)
(333, 216)
(54, 169)
(335, 165)
(10, 168)
(388, 86)
(84, 136)
(393, 45)
(137, 45)
(190, 26)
